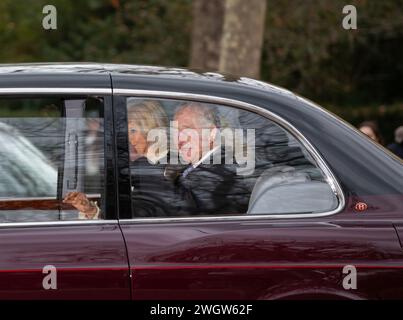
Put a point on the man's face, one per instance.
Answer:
(191, 138)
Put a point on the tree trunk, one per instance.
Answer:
(208, 16)
(242, 38)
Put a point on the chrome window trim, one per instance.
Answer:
(10, 91)
(328, 174)
(32, 90)
(57, 223)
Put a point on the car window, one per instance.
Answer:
(51, 150)
(197, 159)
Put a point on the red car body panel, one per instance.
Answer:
(90, 261)
(268, 259)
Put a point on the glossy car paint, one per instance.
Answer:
(90, 261)
(253, 259)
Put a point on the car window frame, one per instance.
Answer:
(125, 215)
(111, 216)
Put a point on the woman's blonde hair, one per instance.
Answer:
(146, 115)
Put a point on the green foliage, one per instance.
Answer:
(305, 47)
(141, 31)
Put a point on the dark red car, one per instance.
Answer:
(308, 207)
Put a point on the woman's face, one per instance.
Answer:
(369, 132)
(138, 141)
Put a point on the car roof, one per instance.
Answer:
(89, 68)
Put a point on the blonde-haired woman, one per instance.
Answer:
(152, 194)
(144, 116)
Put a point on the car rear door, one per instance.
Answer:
(306, 245)
(55, 141)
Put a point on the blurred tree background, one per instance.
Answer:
(355, 73)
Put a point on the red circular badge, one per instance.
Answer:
(360, 206)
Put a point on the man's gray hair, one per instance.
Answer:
(399, 134)
(207, 114)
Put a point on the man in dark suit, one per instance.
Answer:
(206, 179)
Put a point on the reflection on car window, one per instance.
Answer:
(27, 171)
(52, 154)
(198, 159)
